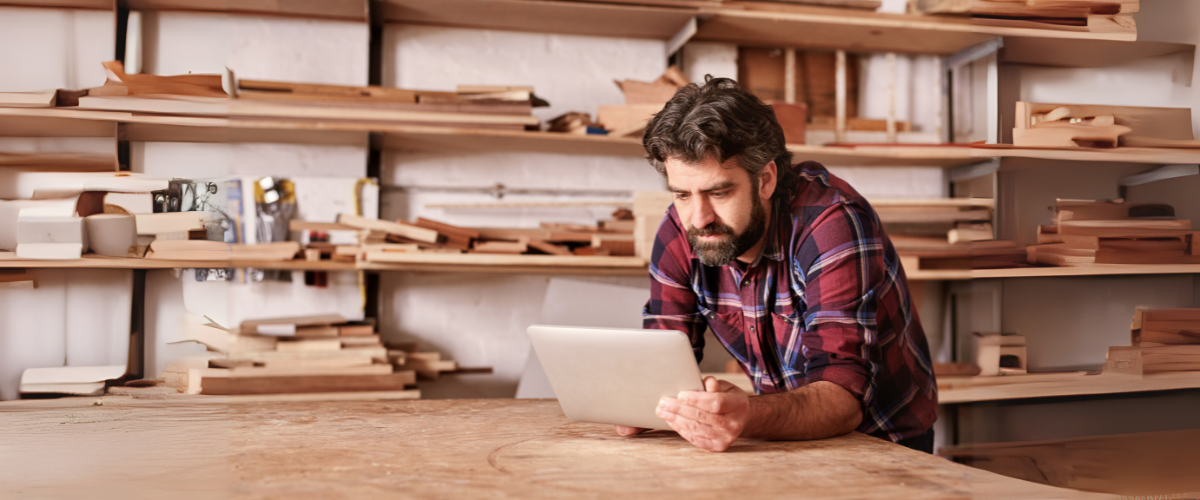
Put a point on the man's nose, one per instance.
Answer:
(702, 213)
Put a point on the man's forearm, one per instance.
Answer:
(815, 411)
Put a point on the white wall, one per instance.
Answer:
(54, 48)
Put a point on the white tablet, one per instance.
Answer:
(615, 375)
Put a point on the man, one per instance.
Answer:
(791, 269)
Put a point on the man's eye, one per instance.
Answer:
(681, 196)
(719, 194)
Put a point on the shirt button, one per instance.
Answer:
(752, 328)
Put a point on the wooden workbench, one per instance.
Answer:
(190, 447)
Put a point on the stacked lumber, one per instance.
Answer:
(1087, 232)
(475, 106)
(1045, 125)
(301, 355)
(1161, 340)
(948, 233)
(642, 101)
(1094, 16)
(384, 241)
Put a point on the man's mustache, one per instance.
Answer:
(713, 229)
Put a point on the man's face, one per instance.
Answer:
(721, 208)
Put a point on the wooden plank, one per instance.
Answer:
(397, 228)
(527, 449)
(549, 261)
(230, 386)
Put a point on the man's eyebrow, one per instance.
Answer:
(718, 187)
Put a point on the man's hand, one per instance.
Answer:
(712, 419)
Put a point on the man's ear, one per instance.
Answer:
(768, 178)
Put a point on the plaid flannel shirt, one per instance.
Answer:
(826, 300)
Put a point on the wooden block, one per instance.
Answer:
(317, 331)
(275, 251)
(447, 229)
(398, 228)
(425, 356)
(653, 93)
(226, 385)
(1124, 361)
(503, 247)
(548, 248)
(309, 345)
(618, 226)
(361, 341)
(295, 322)
(356, 330)
(615, 118)
(292, 371)
(615, 244)
(312, 255)
(1193, 244)
(322, 363)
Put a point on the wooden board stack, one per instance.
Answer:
(427, 365)
(303, 355)
(1161, 340)
(1094, 16)
(1087, 232)
(1044, 125)
(949, 233)
(386, 241)
(493, 107)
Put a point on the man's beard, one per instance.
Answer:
(729, 246)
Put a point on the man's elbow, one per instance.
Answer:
(852, 419)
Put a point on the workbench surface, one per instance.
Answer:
(187, 447)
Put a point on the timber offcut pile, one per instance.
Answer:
(1071, 126)
(1087, 232)
(1087, 16)
(473, 106)
(1161, 340)
(398, 241)
(314, 355)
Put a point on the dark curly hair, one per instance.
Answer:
(720, 120)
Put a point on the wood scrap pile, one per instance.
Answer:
(388, 241)
(1046, 125)
(304, 355)
(1161, 340)
(1087, 232)
(1094, 16)
(428, 365)
(474, 106)
(642, 101)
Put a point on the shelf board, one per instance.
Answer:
(743, 23)
(953, 390)
(62, 4)
(471, 263)
(1092, 270)
(161, 128)
(343, 10)
(1076, 53)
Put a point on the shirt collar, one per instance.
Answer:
(773, 249)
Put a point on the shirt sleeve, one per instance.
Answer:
(672, 304)
(842, 263)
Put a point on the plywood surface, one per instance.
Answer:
(479, 449)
